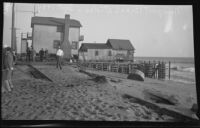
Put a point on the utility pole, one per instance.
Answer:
(34, 12)
(13, 31)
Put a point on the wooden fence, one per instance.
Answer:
(156, 70)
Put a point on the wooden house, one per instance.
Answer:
(113, 49)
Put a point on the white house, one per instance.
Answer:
(49, 32)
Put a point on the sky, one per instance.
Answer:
(154, 30)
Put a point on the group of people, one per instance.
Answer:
(8, 57)
(30, 54)
(43, 54)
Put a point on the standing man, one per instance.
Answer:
(8, 68)
(59, 55)
(33, 54)
(14, 57)
(46, 54)
(28, 51)
(41, 52)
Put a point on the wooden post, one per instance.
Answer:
(159, 70)
(169, 69)
(129, 68)
(117, 67)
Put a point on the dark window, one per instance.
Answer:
(109, 53)
(59, 28)
(74, 45)
(56, 43)
(96, 53)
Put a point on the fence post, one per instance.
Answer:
(129, 69)
(169, 69)
(159, 70)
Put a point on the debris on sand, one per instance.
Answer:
(76, 99)
(158, 97)
(136, 75)
(194, 108)
(100, 79)
(115, 81)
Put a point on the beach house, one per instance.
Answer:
(49, 33)
(113, 49)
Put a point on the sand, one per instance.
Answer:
(73, 96)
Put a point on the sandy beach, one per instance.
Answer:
(75, 96)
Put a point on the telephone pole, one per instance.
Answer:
(13, 30)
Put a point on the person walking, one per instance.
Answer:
(41, 52)
(7, 68)
(59, 55)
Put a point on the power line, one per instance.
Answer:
(34, 11)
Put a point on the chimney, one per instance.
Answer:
(66, 44)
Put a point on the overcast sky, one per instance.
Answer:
(154, 30)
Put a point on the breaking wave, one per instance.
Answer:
(184, 69)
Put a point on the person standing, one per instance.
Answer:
(46, 53)
(33, 54)
(8, 68)
(41, 52)
(14, 57)
(28, 51)
(4, 70)
(59, 55)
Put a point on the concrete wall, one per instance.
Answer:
(44, 36)
(74, 34)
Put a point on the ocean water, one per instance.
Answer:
(182, 68)
(185, 64)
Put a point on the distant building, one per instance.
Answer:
(49, 33)
(113, 49)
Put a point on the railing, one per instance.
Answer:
(156, 70)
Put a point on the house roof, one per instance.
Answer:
(53, 21)
(119, 44)
(85, 46)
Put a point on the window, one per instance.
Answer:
(74, 45)
(60, 28)
(109, 53)
(56, 43)
(96, 53)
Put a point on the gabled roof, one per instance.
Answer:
(85, 46)
(119, 44)
(53, 21)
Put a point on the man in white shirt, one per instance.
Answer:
(59, 55)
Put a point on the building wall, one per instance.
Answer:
(103, 54)
(23, 46)
(74, 34)
(44, 36)
(115, 52)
